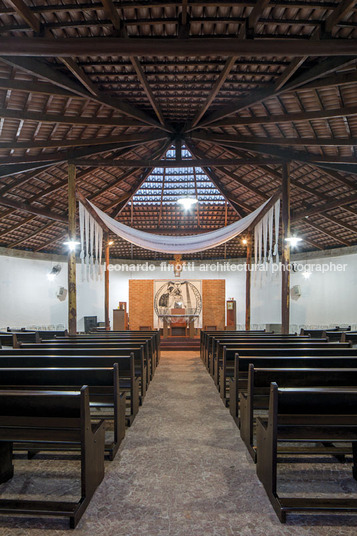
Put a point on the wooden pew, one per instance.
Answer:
(153, 335)
(212, 341)
(349, 336)
(305, 415)
(206, 339)
(104, 393)
(148, 342)
(128, 382)
(7, 339)
(142, 365)
(20, 336)
(216, 354)
(319, 332)
(224, 364)
(256, 397)
(51, 417)
(293, 359)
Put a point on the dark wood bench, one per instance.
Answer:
(213, 342)
(153, 336)
(14, 339)
(319, 332)
(312, 359)
(305, 415)
(128, 381)
(52, 418)
(106, 401)
(256, 397)
(205, 339)
(148, 343)
(349, 336)
(142, 365)
(224, 364)
(216, 354)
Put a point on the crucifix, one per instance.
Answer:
(178, 265)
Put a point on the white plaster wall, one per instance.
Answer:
(27, 298)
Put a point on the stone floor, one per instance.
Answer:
(182, 470)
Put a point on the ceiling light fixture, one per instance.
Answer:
(187, 202)
(72, 244)
(293, 241)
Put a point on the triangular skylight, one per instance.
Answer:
(169, 184)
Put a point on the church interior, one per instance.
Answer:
(178, 267)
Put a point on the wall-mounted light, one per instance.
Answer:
(293, 241)
(72, 244)
(54, 272)
(110, 243)
(244, 241)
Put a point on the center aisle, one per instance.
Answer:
(182, 469)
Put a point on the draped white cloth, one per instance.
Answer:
(265, 232)
(91, 245)
(177, 244)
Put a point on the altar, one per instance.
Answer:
(178, 323)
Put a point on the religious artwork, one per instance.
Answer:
(182, 295)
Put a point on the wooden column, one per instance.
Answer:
(72, 291)
(247, 281)
(285, 261)
(106, 284)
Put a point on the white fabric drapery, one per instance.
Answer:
(91, 234)
(266, 232)
(177, 244)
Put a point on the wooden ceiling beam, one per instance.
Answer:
(319, 31)
(296, 142)
(275, 174)
(120, 204)
(27, 14)
(17, 225)
(321, 69)
(133, 47)
(26, 207)
(24, 115)
(216, 162)
(118, 24)
(238, 180)
(50, 74)
(33, 163)
(235, 204)
(337, 203)
(341, 10)
(286, 118)
(328, 233)
(32, 235)
(215, 90)
(124, 5)
(129, 139)
(287, 155)
(45, 88)
(31, 19)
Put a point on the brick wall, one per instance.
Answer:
(141, 303)
(214, 302)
